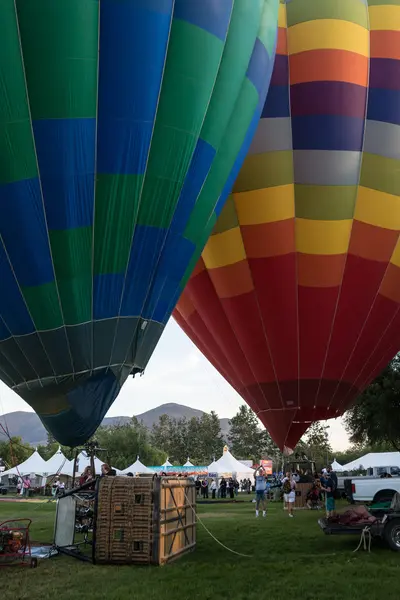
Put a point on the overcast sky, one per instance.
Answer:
(179, 373)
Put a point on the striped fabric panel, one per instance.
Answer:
(303, 262)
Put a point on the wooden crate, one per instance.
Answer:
(301, 495)
(176, 532)
(144, 520)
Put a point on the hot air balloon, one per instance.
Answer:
(296, 297)
(120, 123)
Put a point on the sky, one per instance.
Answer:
(177, 372)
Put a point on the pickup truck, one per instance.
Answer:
(365, 489)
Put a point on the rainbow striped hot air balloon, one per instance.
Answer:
(296, 297)
(120, 123)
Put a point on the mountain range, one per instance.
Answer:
(29, 427)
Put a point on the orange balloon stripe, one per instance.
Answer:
(328, 65)
(232, 280)
(385, 44)
(269, 239)
(372, 243)
(281, 46)
(315, 270)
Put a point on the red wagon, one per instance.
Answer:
(15, 545)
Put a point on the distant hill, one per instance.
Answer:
(28, 426)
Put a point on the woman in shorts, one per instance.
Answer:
(289, 493)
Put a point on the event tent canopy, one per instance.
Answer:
(336, 466)
(188, 463)
(374, 459)
(59, 464)
(137, 467)
(34, 464)
(167, 464)
(229, 466)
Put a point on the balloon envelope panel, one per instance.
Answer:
(120, 123)
(296, 298)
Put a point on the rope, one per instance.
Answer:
(209, 532)
(366, 539)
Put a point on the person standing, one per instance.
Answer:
(261, 487)
(213, 488)
(289, 493)
(329, 488)
(198, 487)
(333, 476)
(223, 487)
(204, 489)
(231, 488)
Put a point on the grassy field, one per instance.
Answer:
(290, 558)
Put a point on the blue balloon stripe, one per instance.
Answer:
(327, 132)
(200, 166)
(260, 67)
(384, 105)
(24, 232)
(107, 294)
(157, 264)
(209, 15)
(277, 103)
(134, 36)
(13, 309)
(66, 156)
(165, 287)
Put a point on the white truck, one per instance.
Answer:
(366, 489)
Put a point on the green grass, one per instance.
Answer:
(290, 558)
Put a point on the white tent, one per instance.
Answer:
(228, 466)
(137, 467)
(33, 465)
(336, 466)
(374, 459)
(59, 464)
(213, 468)
(167, 464)
(188, 463)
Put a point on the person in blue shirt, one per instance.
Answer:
(329, 488)
(261, 488)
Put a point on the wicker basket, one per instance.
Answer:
(144, 520)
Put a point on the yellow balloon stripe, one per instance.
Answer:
(322, 237)
(378, 208)
(328, 34)
(224, 249)
(282, 16)
(384, 18)
(266, 205)
(395, 260)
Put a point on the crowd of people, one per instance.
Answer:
(225, 488)
(323, 489)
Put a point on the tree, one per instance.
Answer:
(246, 438)
(125, 442)
(315, 443)
(14, 451)
(209, 438)
(161, 432)
(198, 438)
(374, 419)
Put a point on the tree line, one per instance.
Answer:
(373, 425)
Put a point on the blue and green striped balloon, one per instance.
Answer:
(122, 126)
